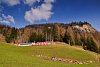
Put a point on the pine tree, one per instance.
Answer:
(76, 40)
(13, 34)
(66, 38)
(91, 45)
(56, 33)
(40, 37)
(33, 37)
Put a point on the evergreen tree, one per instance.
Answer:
(40, 37)
(76, 40)
(33, 37)
(61, 38)
(12, 36)
(91, 45)
(56, 33)
(66, 38)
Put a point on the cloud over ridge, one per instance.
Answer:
(42, 12)
(6, 19)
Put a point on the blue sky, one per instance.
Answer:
(19, 13)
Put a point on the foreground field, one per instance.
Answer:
(41, 56)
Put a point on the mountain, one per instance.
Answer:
(75, 33)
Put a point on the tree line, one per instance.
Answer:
(51, 32)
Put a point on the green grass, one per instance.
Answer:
(13, 56)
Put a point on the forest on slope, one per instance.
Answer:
(74, 33)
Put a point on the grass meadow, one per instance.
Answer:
(14, 56)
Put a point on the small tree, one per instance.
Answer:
(12, 36)
(56, 33)
(66, 38)
(40, 37)
(91, 45)
(33, 37)
(76, 40)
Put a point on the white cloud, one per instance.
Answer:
(10, 19)
(16, 2)
(49, 1)
(29, 2)
(6, 19)
(11, 2)
(42, 12)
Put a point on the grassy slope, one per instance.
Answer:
(12, 56)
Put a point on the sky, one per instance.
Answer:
(19, 13)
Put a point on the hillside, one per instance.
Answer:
(75, 33)
(46, 56)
